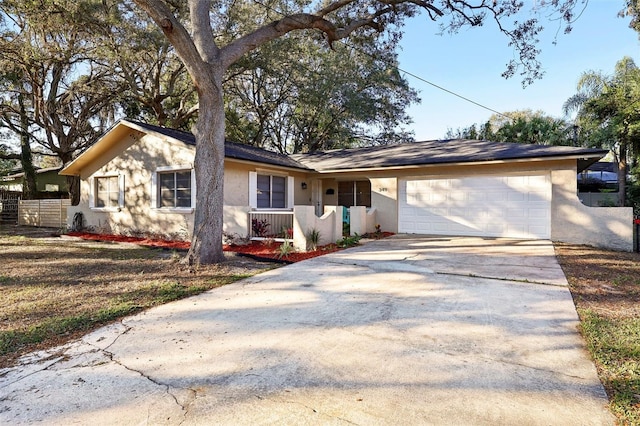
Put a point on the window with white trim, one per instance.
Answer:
(175, 189)
(270, 191)
(107, 192)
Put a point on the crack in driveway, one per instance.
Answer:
(406, 265)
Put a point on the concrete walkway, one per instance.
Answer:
(399, 331)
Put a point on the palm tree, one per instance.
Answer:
(608, 113)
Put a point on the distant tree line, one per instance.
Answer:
(606, 114)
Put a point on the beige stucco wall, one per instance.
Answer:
(573, 222)
(384, 198)
(329, 199)
(137, 160)
(329, 225)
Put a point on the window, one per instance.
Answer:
(107, 191)
(271, 192)
(354, 193)
(175, 189)
(268, 191)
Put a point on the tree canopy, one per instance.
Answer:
(194, 36)
(294, 95)
(57, 91)
(607, 111)
(525, 126)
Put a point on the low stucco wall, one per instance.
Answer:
(236, 220)
(329, 225)
(573, 222)
(362, 220)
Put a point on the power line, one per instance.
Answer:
(451, 92)
(417, 77)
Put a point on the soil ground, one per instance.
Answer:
(604, 281)
(605, 286)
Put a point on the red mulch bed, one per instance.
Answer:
(260, 250)
(255, 249)
(179, 245)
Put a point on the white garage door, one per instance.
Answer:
(490, 206)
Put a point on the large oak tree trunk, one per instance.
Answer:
(206, 242)
(29, 184)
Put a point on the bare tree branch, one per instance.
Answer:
(202, 33)
(10, 156)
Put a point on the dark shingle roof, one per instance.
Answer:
(231, 149)
(437, 152)
(452, 151)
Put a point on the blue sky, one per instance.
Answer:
(471, 63)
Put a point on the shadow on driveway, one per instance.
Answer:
(397, 331)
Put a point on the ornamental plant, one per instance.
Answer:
(260, 227)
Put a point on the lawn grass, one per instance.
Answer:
(605, 286)
(15, 340)
(615, 347)
(54, 290)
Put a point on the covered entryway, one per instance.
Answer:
(515, 206)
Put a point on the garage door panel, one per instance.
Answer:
(517, 213)
(538, 210)
(458, 196)
(498, 206)
(495, 195)
(517, 196)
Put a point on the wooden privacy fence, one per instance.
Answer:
(43, 213)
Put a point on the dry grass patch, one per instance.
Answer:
(606, 291)
(53, 289)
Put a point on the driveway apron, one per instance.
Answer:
(405, 330)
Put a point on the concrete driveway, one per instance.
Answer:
(405, 330)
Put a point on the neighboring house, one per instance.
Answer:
(598, 184)
(47, 180)
(138, 177)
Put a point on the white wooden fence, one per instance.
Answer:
(43, 213)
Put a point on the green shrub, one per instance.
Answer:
(348, 241)
(313, 238)
(285, 249)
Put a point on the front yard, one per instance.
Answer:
(51, 293)
(606, 291)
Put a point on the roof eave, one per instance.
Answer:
(75, 167)
(590, 158)
(272, 165)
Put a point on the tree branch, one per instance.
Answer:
(4, 156)
(176, 33)
(234, 50)
(202, 32)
